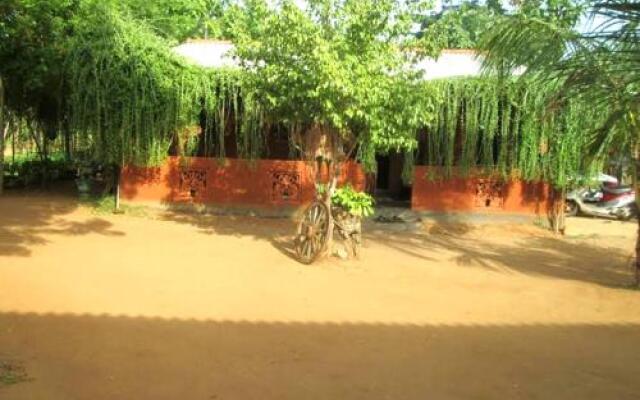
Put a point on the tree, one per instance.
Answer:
(460, 28)
(598, 67)
(32, 52)
(179, 19)
(335, 72)
(37, 39)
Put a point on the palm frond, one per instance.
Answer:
(523, 41)
(600, 68)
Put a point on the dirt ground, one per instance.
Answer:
(173, 306)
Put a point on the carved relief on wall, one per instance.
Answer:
(193, 182)
(285, 186)
(489, 194)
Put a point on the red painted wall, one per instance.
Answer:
(263, 183)
(470, 194)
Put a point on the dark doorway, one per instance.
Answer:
(390, 190)
(382, 180)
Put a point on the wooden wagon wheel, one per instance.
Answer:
(313, 230)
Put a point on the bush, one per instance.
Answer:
(26, 171)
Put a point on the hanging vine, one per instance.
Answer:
(507, 128)
(130, 96)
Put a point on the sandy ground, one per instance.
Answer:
(181, 306)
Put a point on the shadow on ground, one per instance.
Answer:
(27, 218)
(539, 253)
(104, 357)
(279, 232)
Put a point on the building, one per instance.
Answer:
(279, 185)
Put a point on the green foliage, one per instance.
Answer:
(460, 28)
(32, 51)
(594, 70)
(105, 205)
(12, 373)
(179, 19)
(336, 63)
(344, 64)
(27, 170)
(464, 26)
(37, 37)
(122, 98)
(563, 13)
(356, 203)
(506, 128)
(130, 95)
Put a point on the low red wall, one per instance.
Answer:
(477, 194)
(263, 183)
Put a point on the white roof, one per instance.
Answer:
(216, 54)
(208, 53)
(451, 63)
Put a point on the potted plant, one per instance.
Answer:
(348, 208)
(353, 204)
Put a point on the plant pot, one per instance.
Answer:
(349, 223)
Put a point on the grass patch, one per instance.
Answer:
(12, 373)
(106, 205)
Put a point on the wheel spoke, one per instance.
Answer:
(320, 237)
(309, 217)
(313, 245)
(299, 244)
(310, 250)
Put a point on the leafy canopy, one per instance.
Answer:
(597, 67)
(178, 20)
(341, 64)
(33, 43)
(35, 36)
(462, 27)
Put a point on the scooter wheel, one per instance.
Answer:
(626, 214)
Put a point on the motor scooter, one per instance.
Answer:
(616, 202)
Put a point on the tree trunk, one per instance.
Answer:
(2, 132)
(15, 132)
(558, 212)
(45, 161)
(33, 131)
(67, 140)
(116, 191)
(331, 188)
(636, 173)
